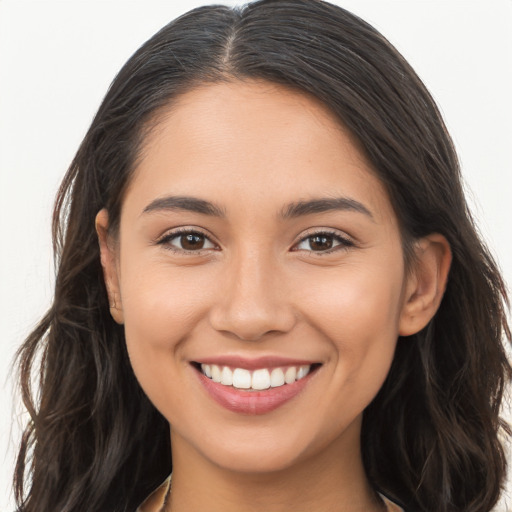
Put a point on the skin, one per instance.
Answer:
(260, 286)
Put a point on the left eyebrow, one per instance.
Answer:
(321, 205)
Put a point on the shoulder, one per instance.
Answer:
(391, 505)
(156, 500)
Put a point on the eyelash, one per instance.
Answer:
(167, 238)
(343, 243)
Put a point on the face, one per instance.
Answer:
(257, 246)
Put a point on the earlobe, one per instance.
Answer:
(109, 264)
(426, 283)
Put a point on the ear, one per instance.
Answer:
(109, 262)
(426, 283)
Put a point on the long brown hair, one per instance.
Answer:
(430, 437)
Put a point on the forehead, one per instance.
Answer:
(256, 141)
(248, 112)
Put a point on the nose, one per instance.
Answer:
(254, 301)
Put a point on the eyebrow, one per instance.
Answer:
(292, 210)
(324, 205)
(186, 203)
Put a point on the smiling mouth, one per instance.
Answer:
(255, 380)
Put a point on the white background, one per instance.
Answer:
(57, 59)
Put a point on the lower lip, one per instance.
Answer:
(252, 402)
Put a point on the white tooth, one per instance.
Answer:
(290, 375)
(276, 378)
(241, 378)
(303, 371)
(207, 370)
(216, 375)
(226, 376)
(260, 379)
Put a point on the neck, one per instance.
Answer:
(331, 480)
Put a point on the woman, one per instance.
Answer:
(264, 245)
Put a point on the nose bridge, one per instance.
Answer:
(253, 302)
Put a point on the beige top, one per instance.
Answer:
(156, 500)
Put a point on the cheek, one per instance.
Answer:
(355, 299)
(357, 312)
(162, 305)
(160, 302)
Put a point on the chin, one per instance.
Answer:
(264, 452)
(256, 461)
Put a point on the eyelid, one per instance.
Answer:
(184, 230)
(346, 242)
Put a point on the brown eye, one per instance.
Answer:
(192, 241)
(320, 242)
(324, 242)
(186, 241)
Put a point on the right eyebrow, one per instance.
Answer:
(186, 203)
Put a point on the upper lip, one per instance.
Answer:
(253, 363)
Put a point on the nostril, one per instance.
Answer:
(252, 319)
